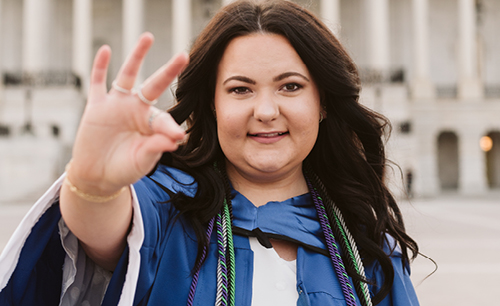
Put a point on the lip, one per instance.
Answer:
(268, 137)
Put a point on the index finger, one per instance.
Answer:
(99, 71)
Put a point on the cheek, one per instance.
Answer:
(306, 125)
(307, 109)
(230, 126)
(231, 135)
(306, 117)
(232, 119)
(309, 134)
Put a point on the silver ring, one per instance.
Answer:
(155, 113)
(143, 99)
(116, 87)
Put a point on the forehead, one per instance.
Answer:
(261, 54)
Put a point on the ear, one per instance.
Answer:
(212, 108)
(214, 113)
(322, 114)
(322, 106)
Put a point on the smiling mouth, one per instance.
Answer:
(268, 135)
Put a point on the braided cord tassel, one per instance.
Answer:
(194, 283)
(222, 282)
(353, 252)
(226, 270)
(333, 248)
(231, 256)
(348, 242)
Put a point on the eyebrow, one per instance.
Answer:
(275, 79)
(240, 78)
(289, 74)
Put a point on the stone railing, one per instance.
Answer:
(447, 91)
(42, 79)
(375, 76)
(492, 91)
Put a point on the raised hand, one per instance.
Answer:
(121, 137)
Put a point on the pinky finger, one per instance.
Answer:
(99, 72)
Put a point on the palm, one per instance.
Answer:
(115, 144)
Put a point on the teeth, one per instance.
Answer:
(268, 134)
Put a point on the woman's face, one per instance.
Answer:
(267, 107)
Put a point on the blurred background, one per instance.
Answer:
(431, 66)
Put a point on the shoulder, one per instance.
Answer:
(166, 181)
(153, 208)
(393, 251)
(391, 247)
(153, 194)
(402, 292)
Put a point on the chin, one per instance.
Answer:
(269, 167)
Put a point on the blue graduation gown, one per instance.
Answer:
(156, 268)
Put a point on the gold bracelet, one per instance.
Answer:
(90, 197)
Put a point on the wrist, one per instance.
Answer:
(96, 194)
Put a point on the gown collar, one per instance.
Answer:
(294, 220)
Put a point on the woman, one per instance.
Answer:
(278, 149)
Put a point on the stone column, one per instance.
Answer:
(425, 176)
(37, 16)
(421, 87)
(330, 13)
(378, 34)
(181, 18)
(469, 84)
(132, 24)
(472, 180)
(82, 40)
(1, 53)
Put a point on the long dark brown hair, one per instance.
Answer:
(348, 156)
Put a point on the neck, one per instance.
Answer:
(265, 188)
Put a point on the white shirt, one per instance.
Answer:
(274, 279)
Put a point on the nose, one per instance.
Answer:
(266, 109)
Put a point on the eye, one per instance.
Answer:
(291, 87)
(239, 90)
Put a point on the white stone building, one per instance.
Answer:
(431, 66)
